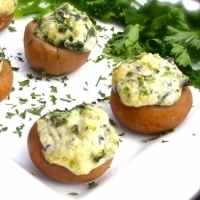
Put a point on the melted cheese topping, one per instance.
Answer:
(80, 139)
(148, 80)
(7, 6)
(68, 27)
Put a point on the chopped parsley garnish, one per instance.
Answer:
(54, 89)
(53, 99)
(24, 83)
(92, 185)
(36, 110)
(3, 129)
(20, 58)
(99, 79)
(159, 135)
(122, 134)
(112, 122)
(101, 93)
(22, 101)
(73, 193)
(10, 115)
(12, 29)
(19, 130)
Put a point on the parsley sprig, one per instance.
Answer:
(156, 27)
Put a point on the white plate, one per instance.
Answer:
(152, 170)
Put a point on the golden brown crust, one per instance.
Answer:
(6, 80)
(55, 171)
(5, 20)
(152, 119)
(42, 56)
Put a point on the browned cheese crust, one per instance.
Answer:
(152, 119)
(54, 171)
(6, 80)
(43, 56)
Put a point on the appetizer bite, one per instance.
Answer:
(74, 146)
(150, 94)
(7, 8)
(59, 42)
(6, 76)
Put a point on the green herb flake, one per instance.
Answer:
(24, 83)
(22, 101)
(112, 122)
(122, 134)
(159, 135)
(15, 69)
(96, 158)
(99, 79)
(36, 110)
(85, 89)
(102, 94)
(163, 141)
(9, 115)
(69, 98)
(66, 100)
(53, 99)
(73, 193)
(4, 129)
(30, 76)
(54, 89)
(33, 95)
(12, 29)
(19, 130)
(74, 129)
(99, 58)
(20, 58)
(92, 185)
(23, 114)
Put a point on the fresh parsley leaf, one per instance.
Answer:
(125, 44)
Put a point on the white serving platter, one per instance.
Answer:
(164, 168)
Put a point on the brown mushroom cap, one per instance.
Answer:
(43, 56)
(54, 171)
(152, 119)
(6, 80)
(5, 21)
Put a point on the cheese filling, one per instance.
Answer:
(148, 80)
(80, 139)
(7, 6)
(68, 27)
